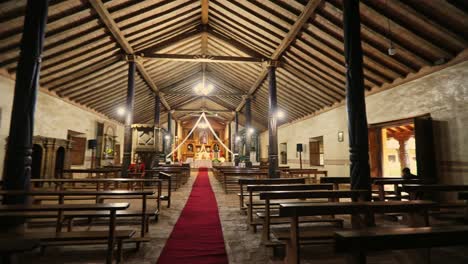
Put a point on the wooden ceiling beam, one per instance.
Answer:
(204, 58)
(296, 28)
(233, 43)
(110, 24)
(208, 95)
(202, 110)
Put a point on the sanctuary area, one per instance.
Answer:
(222, 131)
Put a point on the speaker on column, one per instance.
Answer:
(299, 147)
(92, 144)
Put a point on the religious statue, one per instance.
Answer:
(203, 137)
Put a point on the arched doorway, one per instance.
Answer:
(36, 161)
(59, 162)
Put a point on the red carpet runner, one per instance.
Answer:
(197, 237)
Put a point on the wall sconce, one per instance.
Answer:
(340, 136)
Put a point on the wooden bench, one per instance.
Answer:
(244, 182)
(380, 183)
(179, 174)
(9, 247)
(303, 173)
(416, 210)
(98, 196)
(251, 189)
(230, 179)
(356, 243)
(63, 184)
(336, 181)
(111, 235)
(300, 196)
(418, 191)
(97, 172)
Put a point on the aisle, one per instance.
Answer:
(197, 237)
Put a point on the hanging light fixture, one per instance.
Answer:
(203, 88)
(202, 125)
(391, 49)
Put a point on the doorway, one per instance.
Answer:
(36, 166)
(59, 162)
(283, 153)
(406, 143)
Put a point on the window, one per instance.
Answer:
(316, 151)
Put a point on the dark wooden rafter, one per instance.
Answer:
(205, 58)
(113, 28)
(309, 9)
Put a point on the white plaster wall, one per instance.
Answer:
(443, 94)
(53, 118)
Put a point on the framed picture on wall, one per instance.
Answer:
(340, 136)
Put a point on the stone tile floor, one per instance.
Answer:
(242, 245)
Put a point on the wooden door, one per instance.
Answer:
(117, 154)
(375, 151)
(314, 153)
(425, 155)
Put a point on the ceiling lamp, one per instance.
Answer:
(203, 89)
(280, 114)
(202, 125)
(121, 111)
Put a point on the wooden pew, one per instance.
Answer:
(61, 184)
(230, 179)
(94, 173)
(251, 189)
(111, 235)
(244, 182)
(300, 196)
(309, 174)
(416, 210)
(356, 243)
(99, 197)
(396, 182)
(418, 191)
(180, 174)
(10, 247)
(336, 181)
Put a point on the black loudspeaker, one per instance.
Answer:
(299, 147)
(92, 144)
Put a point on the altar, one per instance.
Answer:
(202, 164)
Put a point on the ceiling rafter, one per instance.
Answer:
(110, 24)
(204, 58)
(296, 28)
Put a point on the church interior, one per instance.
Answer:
(220, 131)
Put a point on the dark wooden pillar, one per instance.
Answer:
(129, 119)
(157, 110)
(18, 159)
(272, 124)
(168, 136)
(228, 155)
(355, 101)
(248, 127)
(236, 139)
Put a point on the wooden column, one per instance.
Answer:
(167, 141)
(355, 98)
(248, 126)
(236, 139)
(18, 159)
(228, 155)
(129, 118)
(272, 123)
(157, 110)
